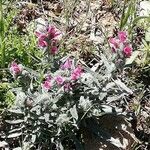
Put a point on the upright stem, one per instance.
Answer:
(50, 57)
(122, 16)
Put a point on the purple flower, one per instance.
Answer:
(53, 32)
(60, 80)
(15, 68)
(53, 47)
(127, 51)
(114, 43)
(67, 64)
(47, 85)
(42, 40)
(48, 38)
(76, 74)
(122, 35)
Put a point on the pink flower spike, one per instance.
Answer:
(122, 35)
(127, 51)
(15, 69)
(60, 80)
(47, 85)
(42, 40)
(67, 64)
(76, 74)
(53, 32)
(114, 43)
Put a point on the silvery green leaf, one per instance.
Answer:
(110, 85)
(147, 35)
(123, 86)
(59, 145)
(41, 25)
(58, 132)
(17, 148)
(102, 95)
(63, 118)
(33, 138)
(20, 99)
(3, 144)
(41, 98)
(97, 112)
(74, 112)
(144, 8)
(26, 146)
(109, 67)
(94, 91)
(16, 111)
(108, 109)
(87, 78)
(14, 135)
(31, 71)
(85, 103)
(114, 98)
(96, 76)
(132, 58)
(54, 106)
(41, 118)
(95, 67)
(16, 130)
(14, 121)
(46, 116)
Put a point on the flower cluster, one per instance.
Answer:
(120, 43)
(15, 69)
(66, 81)
(48, 38)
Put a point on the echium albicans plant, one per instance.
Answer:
(70, 105)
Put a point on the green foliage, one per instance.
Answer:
(7, 97)
(52, 118)
(13, 44)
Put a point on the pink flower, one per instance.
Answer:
(122, 35)
(41, 39)
(48, 37)
(53, 32)
(76, 73)
(67, 87)
(53, 47)
(47, 85)
(15, 69)
(60, 80)
(114, 43)
(67, 64)
(127, 51)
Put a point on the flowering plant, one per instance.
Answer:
(48, 38)
(54, 106)
(121, 44)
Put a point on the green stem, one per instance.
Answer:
(122, 17)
